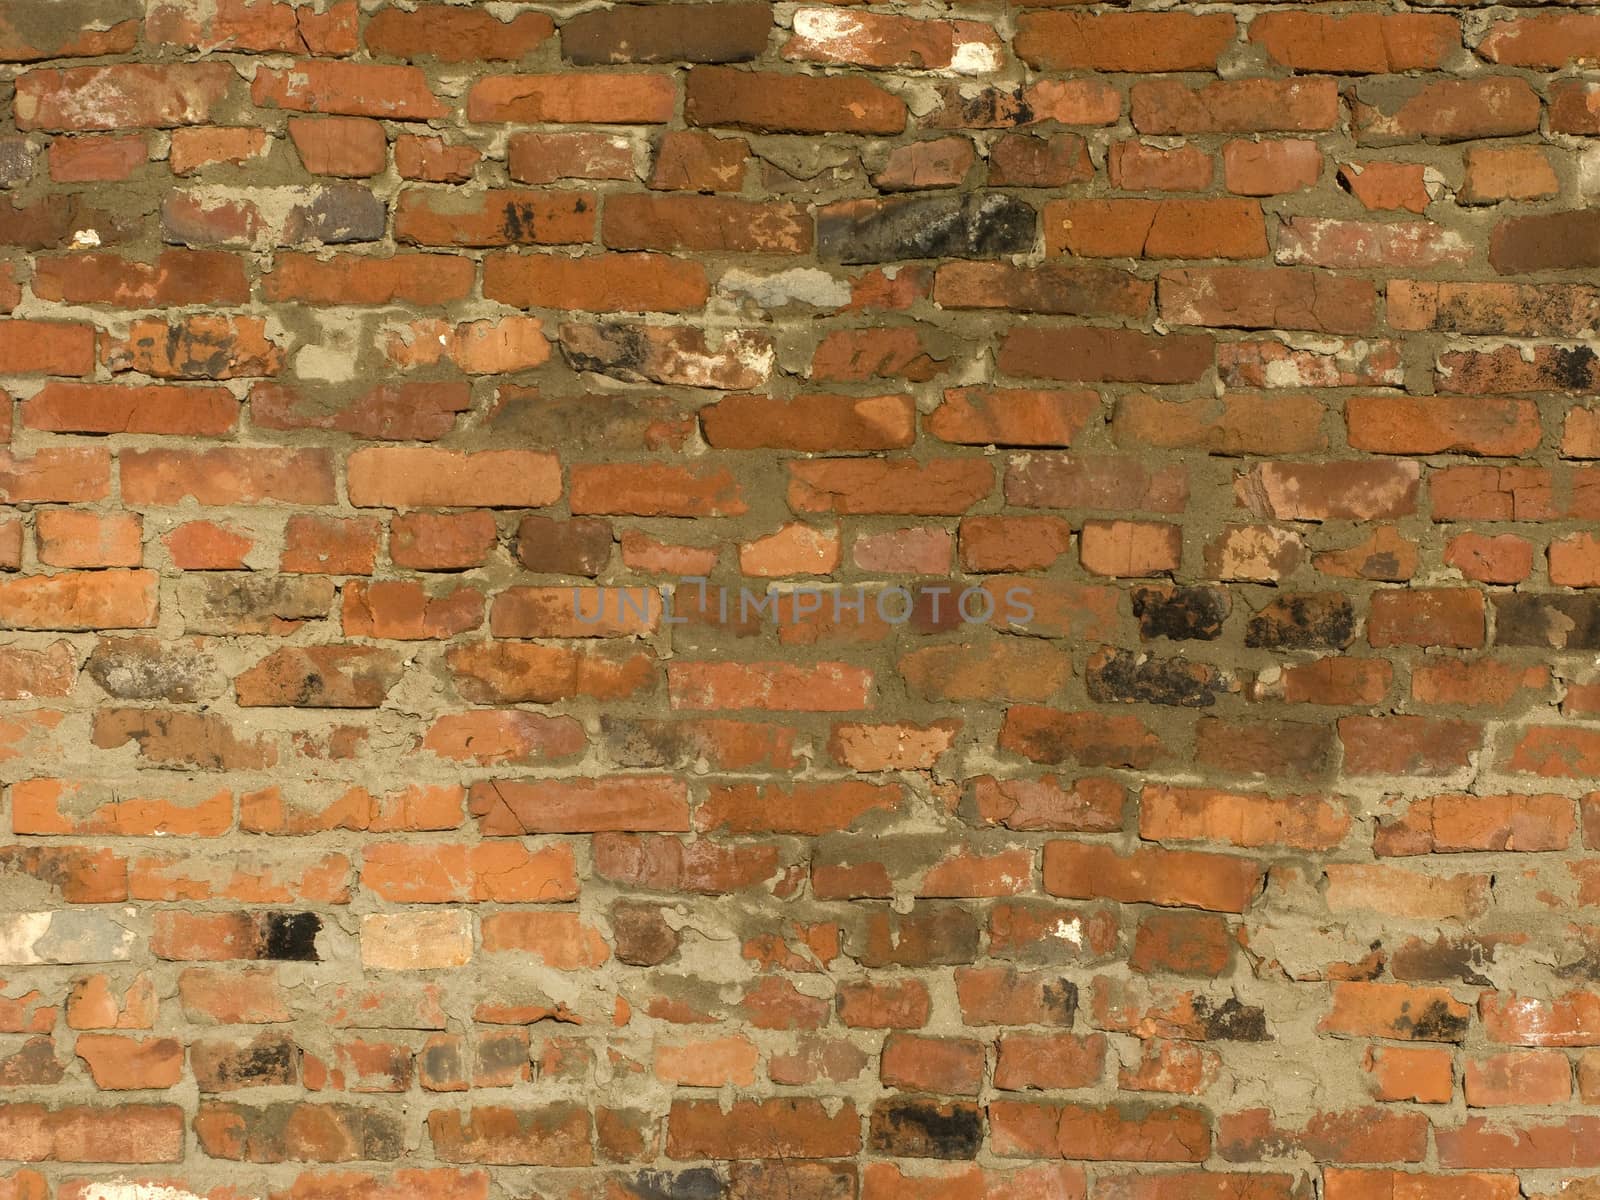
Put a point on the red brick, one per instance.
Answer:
(1112, 355)
(1319, 491)
(1151, 876)
(1387, 186)
(1136, 167)
(494, 217)
(1354, 245)
(1358, 43)
(597, 283)
(1507, 173)
(900, 1005)
(59, 474)
(1196, 1185)
(46, 348)
(1205, 815)
(1449, 110)
(1242, 422)
(1550, 40)
(1049, 1061)
(351, 89)
(1110, 1132)
(788, 1128)
(1504, 558)
(1569, 1020)
(871, 39)
(113, 33)
(421, 279)
(127, 95)
(1407, 1073)
(123, 1133)
(691, 161)
(1396, 1011)
(227, 476)
(1352, 1136)
(194, 148)
(1537, 1077)
(1155, 228)
(696, 33)
(1575, 561)
(830, 807)
(329, 546)
(1070, 291)
(241, 26)
(345, 146)
(1091, 738)
(1435, 425)
(1252, 298)
(1446, 824)
(562, 99)
(97, 159)
(1371, 1185)
(1143, 42)
(953, 1067)
(948, 485)
(1235, 106)
(69, 538)
(1271, 168)
(1407, 745)
(943, 162)
(1484, 1142)
(455, 35)
(768, 102)
(80, 600)
(433, 160)
(106, 408)
(1427, 617)
(404, 477)
(1574, 107)
(1012, 417)
(1053, 334)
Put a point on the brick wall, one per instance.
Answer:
(1231, 839)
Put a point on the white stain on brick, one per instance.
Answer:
(974, 58)
(827, 29)
(799, 285)
(124, 1189)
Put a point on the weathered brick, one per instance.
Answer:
(768, 102)
(350, 89)
(455, 35)
(1141, 42)
(1359, 43)
(126, 95)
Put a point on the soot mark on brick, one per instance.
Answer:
(1551, 622)
(1232, 1021)
(1436, 1023)
(914, 227)
(1119, 676)
(1313, 621)
(1180, 614)
(620, 350)
(268, 1061)
(1061, 999)
(289, 937)
(1444, 959)
(924, 1129)
(1573, 367)
(697, 1183)
(518, 223)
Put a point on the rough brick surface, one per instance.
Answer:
(1161, 440)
